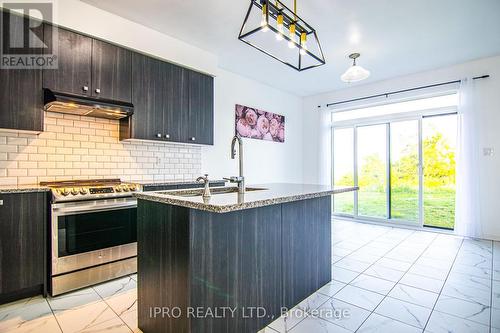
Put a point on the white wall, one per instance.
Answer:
(317, 149)
(264, 161)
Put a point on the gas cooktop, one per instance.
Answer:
(90, 189)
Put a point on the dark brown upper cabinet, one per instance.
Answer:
(21, 106)
(74, 61)
(171, 103)
(177, 102)
(89, 67)
(111, 71)
(147, 97)
(200, 120)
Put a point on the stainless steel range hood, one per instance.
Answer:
(85, 106)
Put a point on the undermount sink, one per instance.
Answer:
(213, 191)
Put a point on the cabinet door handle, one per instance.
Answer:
(167, 136)
(85, 88)
(98, 91)
(192, 138)
(158, 135)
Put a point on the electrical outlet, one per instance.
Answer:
(487, 151)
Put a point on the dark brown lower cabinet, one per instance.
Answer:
(253, 261)
(23, 227)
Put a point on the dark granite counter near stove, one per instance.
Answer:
(22, 189)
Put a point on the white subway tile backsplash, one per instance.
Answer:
(11, 172)
(17, 157)
(8, 181)
(74, 147)
(15, 141)
(5, 148)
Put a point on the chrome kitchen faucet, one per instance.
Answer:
(240, 180)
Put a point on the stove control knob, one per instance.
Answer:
(83, 191)
(118, 189)
(74, 191)
(64, 191)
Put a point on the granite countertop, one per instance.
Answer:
(270, 194)
(22, 188)
(172, 182)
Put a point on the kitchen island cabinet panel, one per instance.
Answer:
(254, 261)
(235, 262)
(164, 270)
(306, 248)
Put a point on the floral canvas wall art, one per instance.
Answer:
(258, 124)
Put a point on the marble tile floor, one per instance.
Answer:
(384, 279)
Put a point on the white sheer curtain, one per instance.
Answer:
(468, 213)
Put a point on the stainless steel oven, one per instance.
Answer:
(92, 240)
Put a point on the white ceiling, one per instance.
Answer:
(394, 37)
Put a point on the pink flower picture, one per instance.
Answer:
(258, 124)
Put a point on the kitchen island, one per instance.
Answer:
(231, 262)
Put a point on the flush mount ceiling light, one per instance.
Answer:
(275, 30)
(355, 73)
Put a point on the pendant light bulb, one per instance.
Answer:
(263, 21)
(279, 25)
(291, 43)
(303, 43)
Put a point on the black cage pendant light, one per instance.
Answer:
(277, 31)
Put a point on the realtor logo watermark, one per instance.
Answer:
(328, 313)
(23, 44)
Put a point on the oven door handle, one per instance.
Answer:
(93, 207)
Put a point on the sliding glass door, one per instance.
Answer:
(343, 165)
(405, 170)
(372, 171)
(439, 145)
(404, 179)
